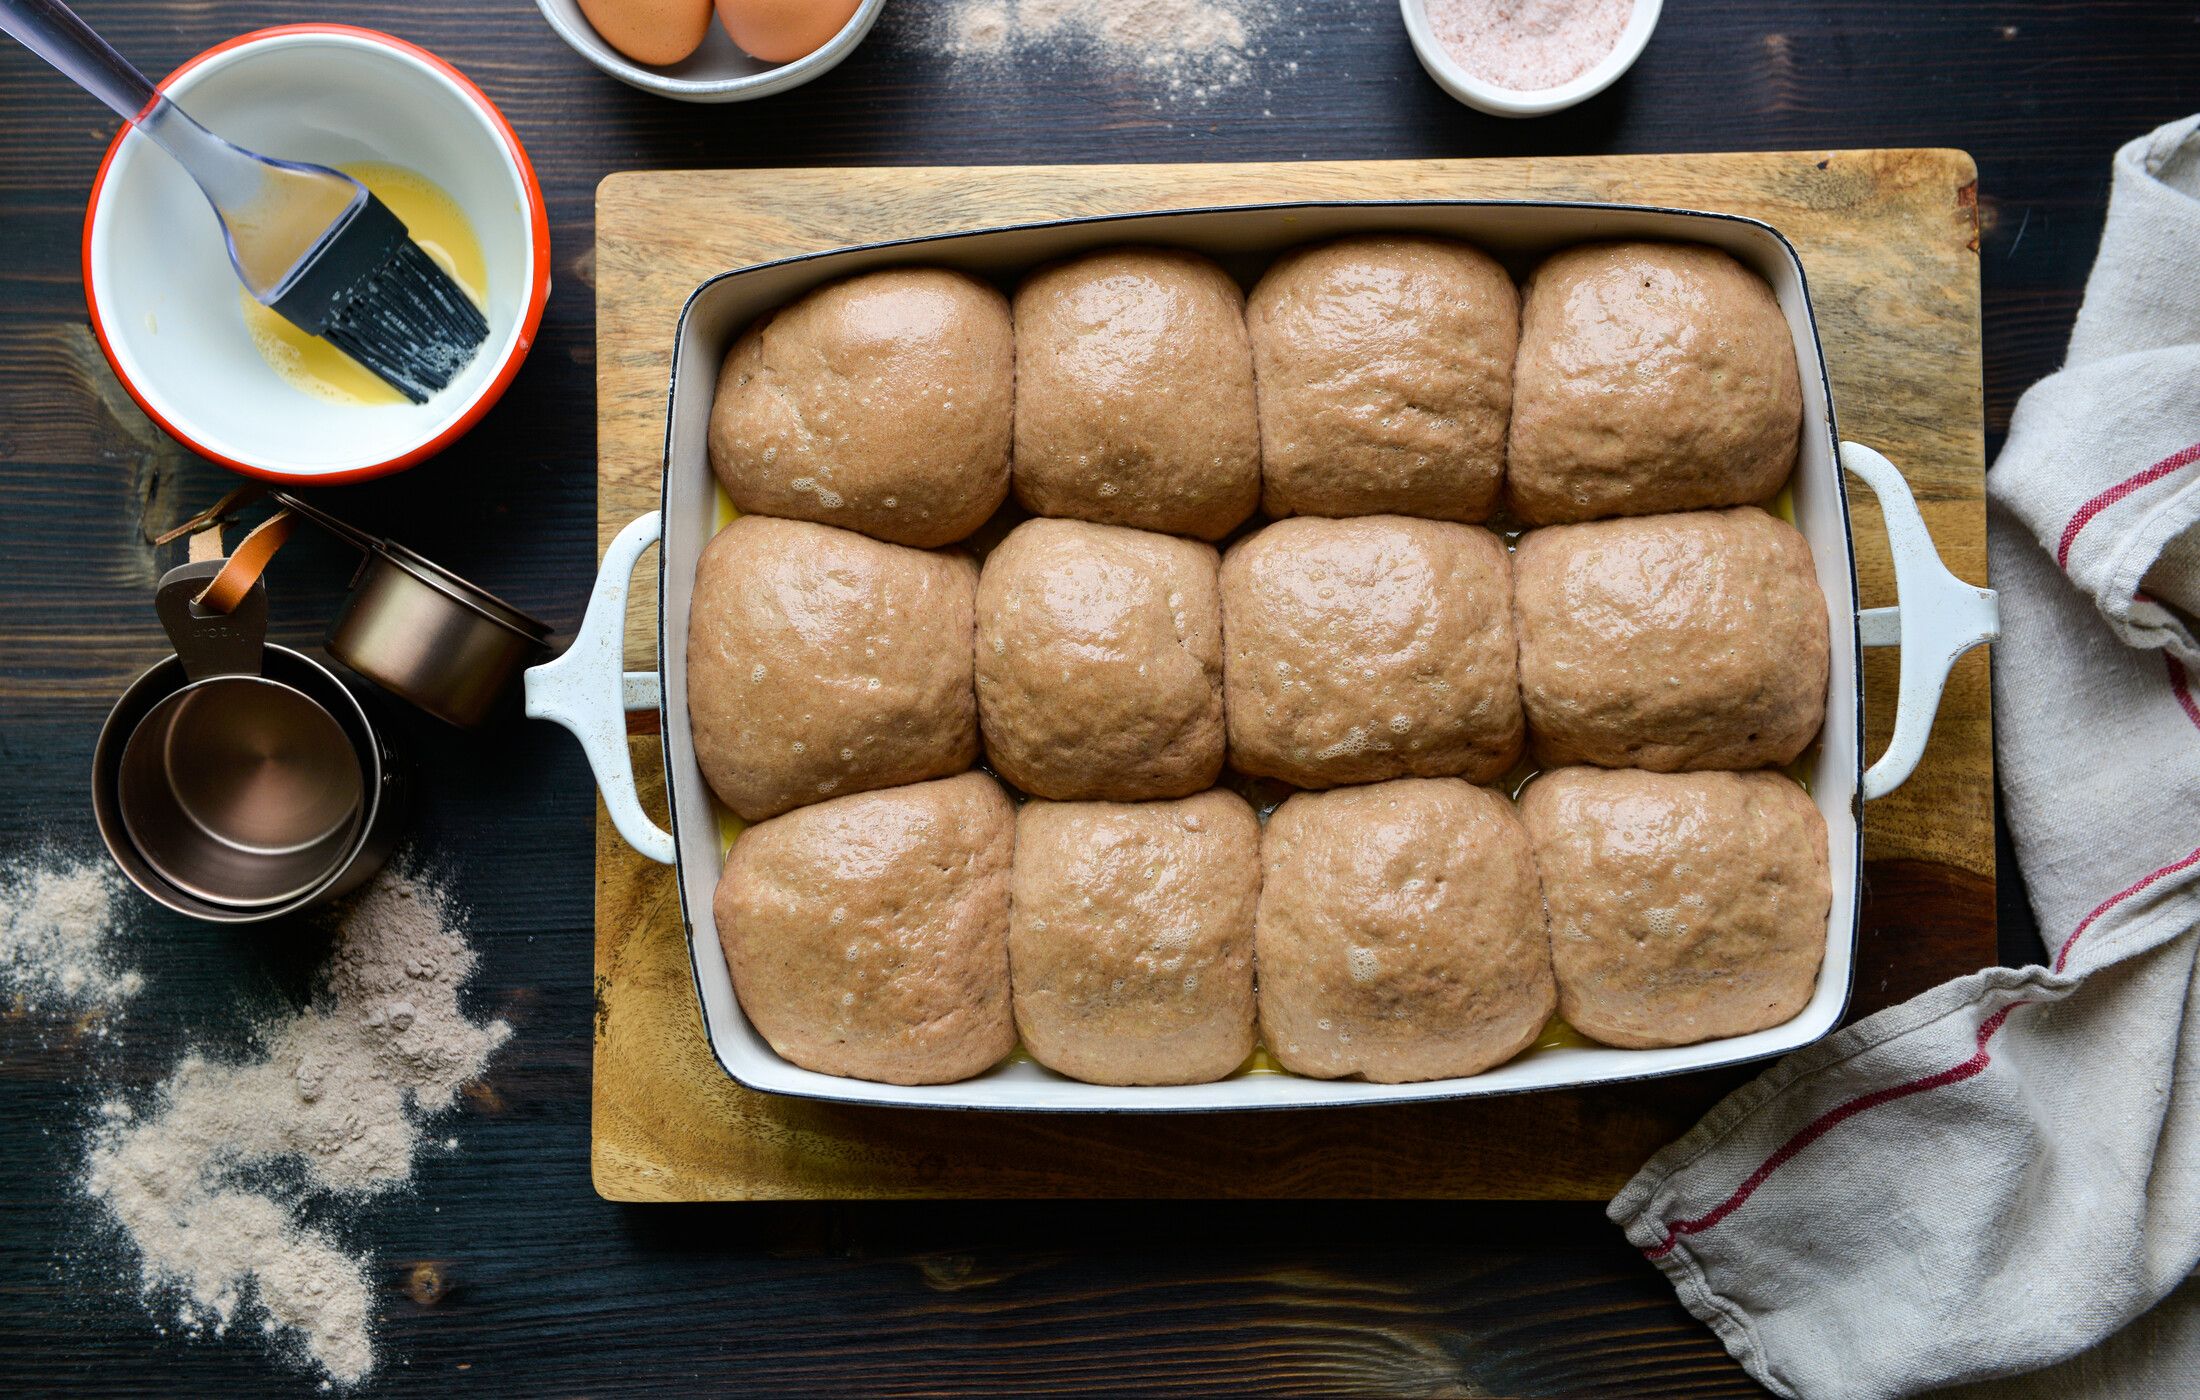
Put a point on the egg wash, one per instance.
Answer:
(310, 364)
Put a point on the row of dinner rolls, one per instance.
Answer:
(1395, 374)
(1402, 931)
(1097, 662)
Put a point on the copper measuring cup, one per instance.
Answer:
(238, 780)
(410, 625)
(423, 633)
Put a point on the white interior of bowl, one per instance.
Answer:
(718, 71)
(1244, 240)
(162, 282)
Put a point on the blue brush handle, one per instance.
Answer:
(242, 187)
(57, 34)
(60, 36)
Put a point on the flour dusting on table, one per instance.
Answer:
(57, 936)
(207, 1180)
(1186, 49)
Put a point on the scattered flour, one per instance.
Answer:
(1186, 48)
(207, 1181)
(57, 918)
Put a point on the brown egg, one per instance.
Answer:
(650, 31)
(781, 31)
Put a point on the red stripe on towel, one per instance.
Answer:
(2174, 462)
(2062, 954)
(1840, 1113)
(2180, 685)
(1825, 1123)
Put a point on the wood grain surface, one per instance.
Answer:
(499, 1272)
(1889, 240)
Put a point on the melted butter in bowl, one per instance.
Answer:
(310, 364)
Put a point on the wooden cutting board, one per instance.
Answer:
(1890, 242)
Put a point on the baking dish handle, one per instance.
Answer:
(1940, 618)
(589, 692)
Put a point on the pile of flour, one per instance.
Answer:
(206, 1180)
(57, 937)
(1184, 48)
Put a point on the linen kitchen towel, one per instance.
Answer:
(2004, 1171)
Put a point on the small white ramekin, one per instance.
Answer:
(716, 72)
(164, 301)
(1505, 102)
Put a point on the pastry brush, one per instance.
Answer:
(310, 243)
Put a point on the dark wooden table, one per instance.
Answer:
(503, 1273)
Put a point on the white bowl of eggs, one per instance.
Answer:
(701, 51)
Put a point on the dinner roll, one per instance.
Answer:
(1378, 647)
(868, 935)
(1671, 642)
(822, 662)
(882, 403)
(1652, 377)
(1684, 906)
(1400, 935)
(1100, 662)
(1384, 364)
(1134, 393)
(1130, 939)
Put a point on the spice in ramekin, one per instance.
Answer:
(1528, 45)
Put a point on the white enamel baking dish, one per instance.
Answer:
(586, 690)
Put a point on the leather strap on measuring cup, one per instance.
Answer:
(246, 564)
(215, 515)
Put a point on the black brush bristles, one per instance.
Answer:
(411, 324)
(372, 293)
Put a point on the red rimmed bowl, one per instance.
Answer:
(164, 302)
